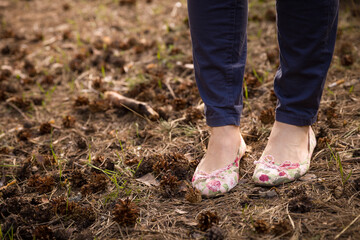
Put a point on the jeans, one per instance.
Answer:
(306, 36)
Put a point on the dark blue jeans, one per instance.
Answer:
(306, 35)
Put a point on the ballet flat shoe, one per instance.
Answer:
(269, 173)
(221, 180)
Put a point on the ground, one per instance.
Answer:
(75, 166)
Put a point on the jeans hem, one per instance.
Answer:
(223, 121)
(293, 120)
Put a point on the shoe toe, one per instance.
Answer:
(214, 185)
(221, 180)
(266, 175)
(269, 173)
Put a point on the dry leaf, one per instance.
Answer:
(149, 180)
(180, 211)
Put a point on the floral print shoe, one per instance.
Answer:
(221, 180)
(269, 173)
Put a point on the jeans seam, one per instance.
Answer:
(230, 71)
(323, 69)
(326, 42)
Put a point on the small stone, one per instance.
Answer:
(76, 198)
(308, 177)
(268, 194)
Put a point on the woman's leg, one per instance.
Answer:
(218, 33)
(306, 35)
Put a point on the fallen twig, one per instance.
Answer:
(352, 160)
(9, 184)
(346, 228)
(167, 83)
(141, 107)
(17, 109)
(291, 221)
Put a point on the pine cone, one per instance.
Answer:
(175, 163)
(64, 207)
(356, 184)
(300, 204)
(97, 183)
(214, 233)
(77, 178)
(125, 213)
(261, 226)
(42, 184)
(169, 180)
(267, 116)
(169, 185)
(68, 121)
(147, 165)
(43, 232)
(81, 101)
(160, 165)
(207, 219)
(192, 115)
(281, 227)
(45, 128)
(178, 164)
(193, 195)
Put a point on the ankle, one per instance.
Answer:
(290, 127)
(225, 135)
(224, 129)
(225, 132)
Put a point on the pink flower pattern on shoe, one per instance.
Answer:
(269, 173)
(237, 160)
(221, 180)
(264, 178)
(214, 185)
